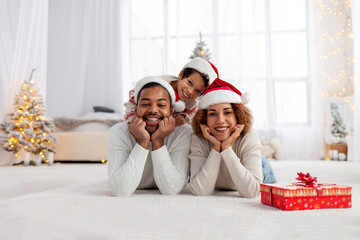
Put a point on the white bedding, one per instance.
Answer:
(91, 122)
(73, 201)
(81, 146)
(83, 138)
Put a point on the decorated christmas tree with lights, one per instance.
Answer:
(201, 50)
(26, 129)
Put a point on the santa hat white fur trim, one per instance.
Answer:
(203, 66)
(178, 106)
(218, 96)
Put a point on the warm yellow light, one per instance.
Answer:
(32, 140)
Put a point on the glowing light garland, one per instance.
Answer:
(336, 48)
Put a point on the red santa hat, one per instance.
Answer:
(203, 66)
(178, 105)
(222, 92)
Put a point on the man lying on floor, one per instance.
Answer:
(149, 152)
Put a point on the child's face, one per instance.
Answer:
(191, 87)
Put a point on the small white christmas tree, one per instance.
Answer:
(338, 129)
(201, 50)
(26, 128)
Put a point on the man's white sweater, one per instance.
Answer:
(132, 167)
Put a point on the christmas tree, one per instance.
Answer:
(338, 129)
(201, 50)
(26, 129)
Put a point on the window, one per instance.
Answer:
(260, 46)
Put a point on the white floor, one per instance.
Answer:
(73, 201)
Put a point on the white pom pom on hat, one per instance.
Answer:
(203, 66)
(178, 105)
(245, 97)
(222, 92)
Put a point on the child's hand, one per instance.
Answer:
(179, 119)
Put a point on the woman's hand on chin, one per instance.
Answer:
(234, 135)
(206, 133)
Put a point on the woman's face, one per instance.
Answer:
(191, 87)
(221, 120)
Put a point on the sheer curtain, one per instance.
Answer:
(260, 46)
(88, 57)
(23, 46)
(291, 55)
(355, 11)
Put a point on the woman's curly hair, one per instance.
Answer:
(242, 113)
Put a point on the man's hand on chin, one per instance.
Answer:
(137, 129)
(166, 126)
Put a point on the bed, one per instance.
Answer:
(83, 138)
(73, 201)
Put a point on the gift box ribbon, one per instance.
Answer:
(306, 180)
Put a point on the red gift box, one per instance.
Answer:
(301, 197)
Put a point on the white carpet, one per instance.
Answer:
(73, 201)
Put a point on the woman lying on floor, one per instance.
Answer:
(225, 153)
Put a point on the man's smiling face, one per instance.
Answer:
(152, 106)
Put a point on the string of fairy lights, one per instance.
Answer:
(336, 48)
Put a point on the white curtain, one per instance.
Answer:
(355, 11)
(253, 48)
(23, 46)
(88, 59)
